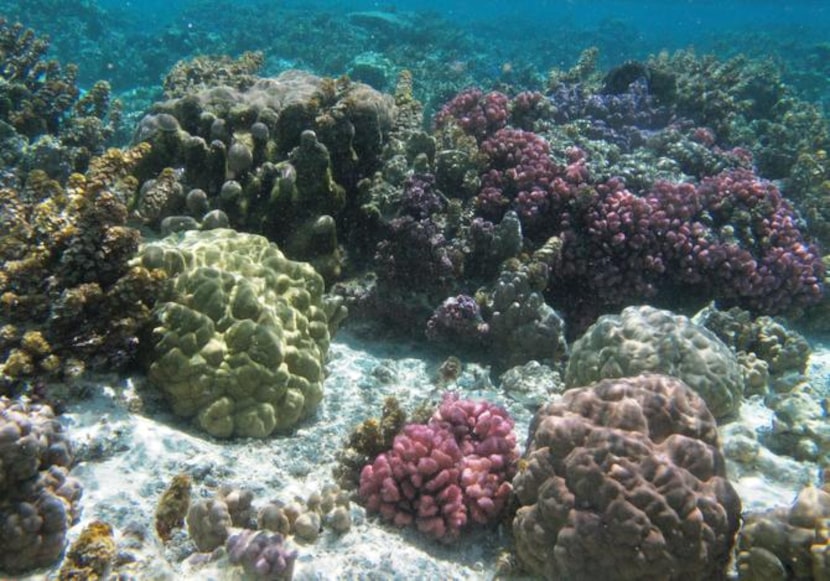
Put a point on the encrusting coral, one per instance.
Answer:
(91, 556)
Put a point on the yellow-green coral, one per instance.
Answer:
(240, 345)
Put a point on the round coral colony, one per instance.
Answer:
(452, 471)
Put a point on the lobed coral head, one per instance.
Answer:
(441, 475)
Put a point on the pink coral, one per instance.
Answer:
(521, 174)
(441, 475)
(477, 114)
(735, 234)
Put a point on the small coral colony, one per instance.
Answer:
(249, 217)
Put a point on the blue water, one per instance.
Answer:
(540, 34)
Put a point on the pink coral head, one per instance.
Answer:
(443, 474)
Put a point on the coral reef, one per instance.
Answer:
(38, 500)
(446, 474)
(731, 236)
(241, 341)
(70, 298)
(644, 339)
(624, 479)
(58, 129)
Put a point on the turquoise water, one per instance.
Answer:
(101, 36)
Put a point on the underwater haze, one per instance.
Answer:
(129, 43)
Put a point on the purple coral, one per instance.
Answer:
(625, 119)
(478, 114)
(38, 500)
(736, 236)
(458, 318)
(522, 176)
(444, 474)
(262, 555)
(419, 199)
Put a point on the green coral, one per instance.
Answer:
(240, 345)
(645, 339)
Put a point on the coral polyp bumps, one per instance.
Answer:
(452, 471)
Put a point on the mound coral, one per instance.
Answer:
(261, 555)
(38, 500)
(624, 479)
(644, 339)
(447, 473)
(240, 344)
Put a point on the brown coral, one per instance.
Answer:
(91, 556)
(624, 479)
(173, 506)
(787, 543)
(40, 100)
(64, 271)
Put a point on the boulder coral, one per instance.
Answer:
(38, 500)
(642, 339)
(624, 479)
(241, 341)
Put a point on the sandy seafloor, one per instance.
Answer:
(126, 460)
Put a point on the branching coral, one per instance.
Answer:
(65, 275)
(447, 473)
